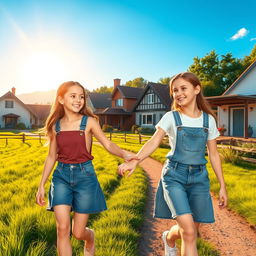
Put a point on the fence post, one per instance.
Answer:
(124, 136)
(139, 138)
(6, 142)
(110, 135)
(40, 138)
(23, 137)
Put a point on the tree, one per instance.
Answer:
(139, 82)
(248, 60)
(164, 80)
(103, 89)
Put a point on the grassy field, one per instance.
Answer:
(27, 229)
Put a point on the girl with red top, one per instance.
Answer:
(74, 185)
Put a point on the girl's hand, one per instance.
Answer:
(129, 157)
(130, 166)
(223, 198)
(40, 196)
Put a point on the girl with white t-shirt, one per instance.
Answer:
(183, 192)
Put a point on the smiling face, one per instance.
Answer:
(184, 93)
(73, 100)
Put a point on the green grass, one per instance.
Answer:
(27, 229)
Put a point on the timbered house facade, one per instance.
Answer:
(153, 104)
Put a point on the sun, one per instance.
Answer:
(42, 69)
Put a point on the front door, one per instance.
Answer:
(238, 122)
(10, 122)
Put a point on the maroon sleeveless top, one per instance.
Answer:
(71, 146)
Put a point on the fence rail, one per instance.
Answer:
(140, 138)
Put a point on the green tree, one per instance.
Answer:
(139, 82)
(164, 80)
(248, 60)
(103, 89)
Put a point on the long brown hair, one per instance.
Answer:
(201, 102)
(57, 110)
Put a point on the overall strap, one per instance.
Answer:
(206, 120)
(57, 126)
(83, 123)
(176, 116)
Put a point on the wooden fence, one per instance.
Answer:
(230, 143)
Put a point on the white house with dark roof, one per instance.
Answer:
(13, 111)
(153, 104)
(237, 105)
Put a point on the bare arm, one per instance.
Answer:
(111, 147)
(48, 166)
(148, 148)
(216, 165)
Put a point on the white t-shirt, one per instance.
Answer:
(167, 123)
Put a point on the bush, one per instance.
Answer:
(107, 128)
(135, 128)
(230, 156)
(146, 130)
(20, 126)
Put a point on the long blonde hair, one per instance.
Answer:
(202, 104)
(57, 109)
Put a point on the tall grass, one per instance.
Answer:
(27, 229)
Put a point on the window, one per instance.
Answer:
(147, 119)
(9, 104)
(150, 98)
(119, 102)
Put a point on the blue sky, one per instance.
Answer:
(43, 43)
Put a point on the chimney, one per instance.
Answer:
(13, 90)
(116, 82)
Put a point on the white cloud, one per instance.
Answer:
(242, 32)
(253, 39)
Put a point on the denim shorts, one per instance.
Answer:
(186, 190)
(76, 185)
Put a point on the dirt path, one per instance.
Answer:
(230, 234)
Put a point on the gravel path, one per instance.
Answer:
(230, 234)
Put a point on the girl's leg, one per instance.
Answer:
(80, 232)
(174, 234)
(62, 216)
(188, 234)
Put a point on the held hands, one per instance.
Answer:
(223, 199)
(40, 196)
(128, 166)
(129, 156)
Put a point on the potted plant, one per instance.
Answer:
(222, 130)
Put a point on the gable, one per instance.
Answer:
(245, 84)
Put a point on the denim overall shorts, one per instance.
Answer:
(184, 185)
(76, 185)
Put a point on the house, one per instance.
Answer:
(98, 102)
(13, 111)
(120, 114)
(237, 105)
(153, 104)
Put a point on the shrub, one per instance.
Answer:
(135, 128)
(230, 156)
(146, 130)
(107, 128)
(21, 126)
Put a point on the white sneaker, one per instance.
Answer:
(168, 251)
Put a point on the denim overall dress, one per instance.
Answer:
(76, 184)
(184, 185)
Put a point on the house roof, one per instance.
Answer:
(10, 95)
(100, 100)
(129, 92)
(114, 111)
(240, 78)
(230, 99)
(41, 111)
(161, 90)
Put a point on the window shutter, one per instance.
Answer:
(139, 119)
